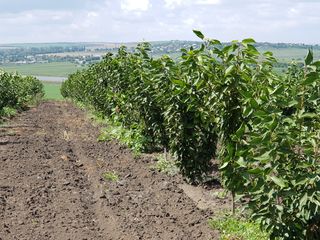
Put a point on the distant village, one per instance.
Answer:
(88, 53)
(79, 54)
(31, 55)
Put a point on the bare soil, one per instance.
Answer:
(52, 185)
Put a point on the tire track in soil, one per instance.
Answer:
(51, 185)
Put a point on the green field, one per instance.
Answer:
(55, 69)
(52, 91)
(289, 54)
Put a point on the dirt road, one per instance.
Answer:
(51, 185)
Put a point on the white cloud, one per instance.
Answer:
(208, 2)
(172, 3)
(92, 14)
(135, 5)
(134, 20)
(189, 21)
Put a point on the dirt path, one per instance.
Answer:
(51, 185)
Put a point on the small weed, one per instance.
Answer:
(132, 138)
(219, 194)
(166, 166)
(237, 228)
(136, 155)
(66, 135)
(80, 105)
(34, 221)
(110, 176)
(8, 112)
(97, 117)
(129, 137)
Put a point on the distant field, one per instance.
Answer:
(63, 69)
(78, 54)
(283, 55)
(289, 54)
(56, 69)
(52, 91)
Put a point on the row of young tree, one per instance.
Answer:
(225, 102)
(17, 91)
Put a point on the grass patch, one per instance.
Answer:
(83, 106)
(111, 176)
(132, 138)
(8, 112)
(219, 194)
(54, 69)
(129, 137)
(288, 54)
(237, 228)
(168, 166)
(52, 91)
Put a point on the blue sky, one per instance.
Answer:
(296, 21)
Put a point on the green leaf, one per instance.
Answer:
(304, 199)
(317, 63)
(241, 162)
(253, 50)
(280, 182)
(198, 33)
(309, 115)
(278, 90)
(268, 54)
(254, 103)
(224, 165)
(293, 103)
(311, 78)
(240, 131)
(264, 158)
(308, 60)
(255, 171)
(261, 113)
(229, 70)
(179, 82)
(246, 94)
(248, 41)
(280, 208)
(226, 49)
(214, 42)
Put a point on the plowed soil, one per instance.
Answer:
(51, 185)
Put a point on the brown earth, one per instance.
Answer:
(51, 185)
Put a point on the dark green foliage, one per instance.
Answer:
(160, 98)
(267, 125)
(17, 91)
(270, 135)
(189, 123)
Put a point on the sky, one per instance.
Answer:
(291, 21)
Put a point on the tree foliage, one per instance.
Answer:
(17, 91)
(223, 100)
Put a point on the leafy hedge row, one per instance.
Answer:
(223, 101)
(16, 91)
